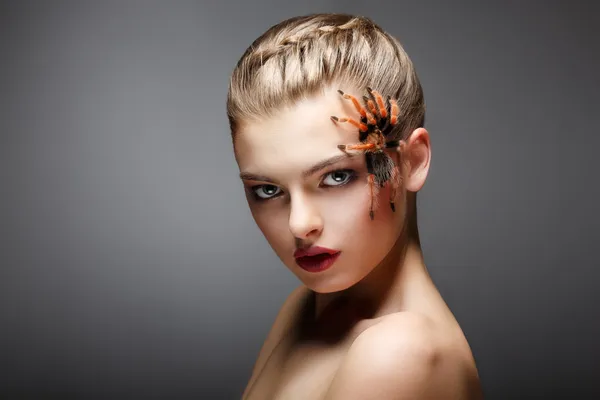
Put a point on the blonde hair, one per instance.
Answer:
(300, 56)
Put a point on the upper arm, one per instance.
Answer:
(397, 359)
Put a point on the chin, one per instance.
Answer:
(331, 284)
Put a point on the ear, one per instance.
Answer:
(416, 157)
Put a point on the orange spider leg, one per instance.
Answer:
(370, 105)
(357, 104)
(374, 190)
(394, 111)
(380, 102)
(372, 186)
(362, 127)
(358, 146)
(371, 119)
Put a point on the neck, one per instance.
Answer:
(388, 288)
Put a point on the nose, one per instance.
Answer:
(305, 220)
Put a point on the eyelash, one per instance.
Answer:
(351, 177)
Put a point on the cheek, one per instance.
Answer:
(347, 222)
(350, 209)
(273, 224)
(348, 217)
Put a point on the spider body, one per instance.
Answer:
(375, 133)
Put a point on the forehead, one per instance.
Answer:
(298, 136)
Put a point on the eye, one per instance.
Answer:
(339, 177)
(264, 192)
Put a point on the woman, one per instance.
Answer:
(326, 114)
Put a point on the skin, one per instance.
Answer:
(388, 314)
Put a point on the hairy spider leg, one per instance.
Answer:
(374, 190)
(365, 117)
(374, 179)
(371, 106)
(362, 127)
(394, 111)
(374, 112)
(371, 121)
(384, 124)
(357, 146)
(383, 112)
(383, 121)
(363, 136)
(357, 104)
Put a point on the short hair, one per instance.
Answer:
(301, 56)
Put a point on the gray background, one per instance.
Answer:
(131, 266)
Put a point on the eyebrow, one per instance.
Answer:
(311, 171)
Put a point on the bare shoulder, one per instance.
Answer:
(404, 356)
(285, 320)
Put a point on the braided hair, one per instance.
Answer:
(300, 56)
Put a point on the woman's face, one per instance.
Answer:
(298, 201)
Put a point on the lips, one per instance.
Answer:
(316, 259)
(313, 251)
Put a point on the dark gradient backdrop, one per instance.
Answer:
(131, 267)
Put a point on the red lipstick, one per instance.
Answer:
(316, 259)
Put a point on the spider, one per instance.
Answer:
(375, 134)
